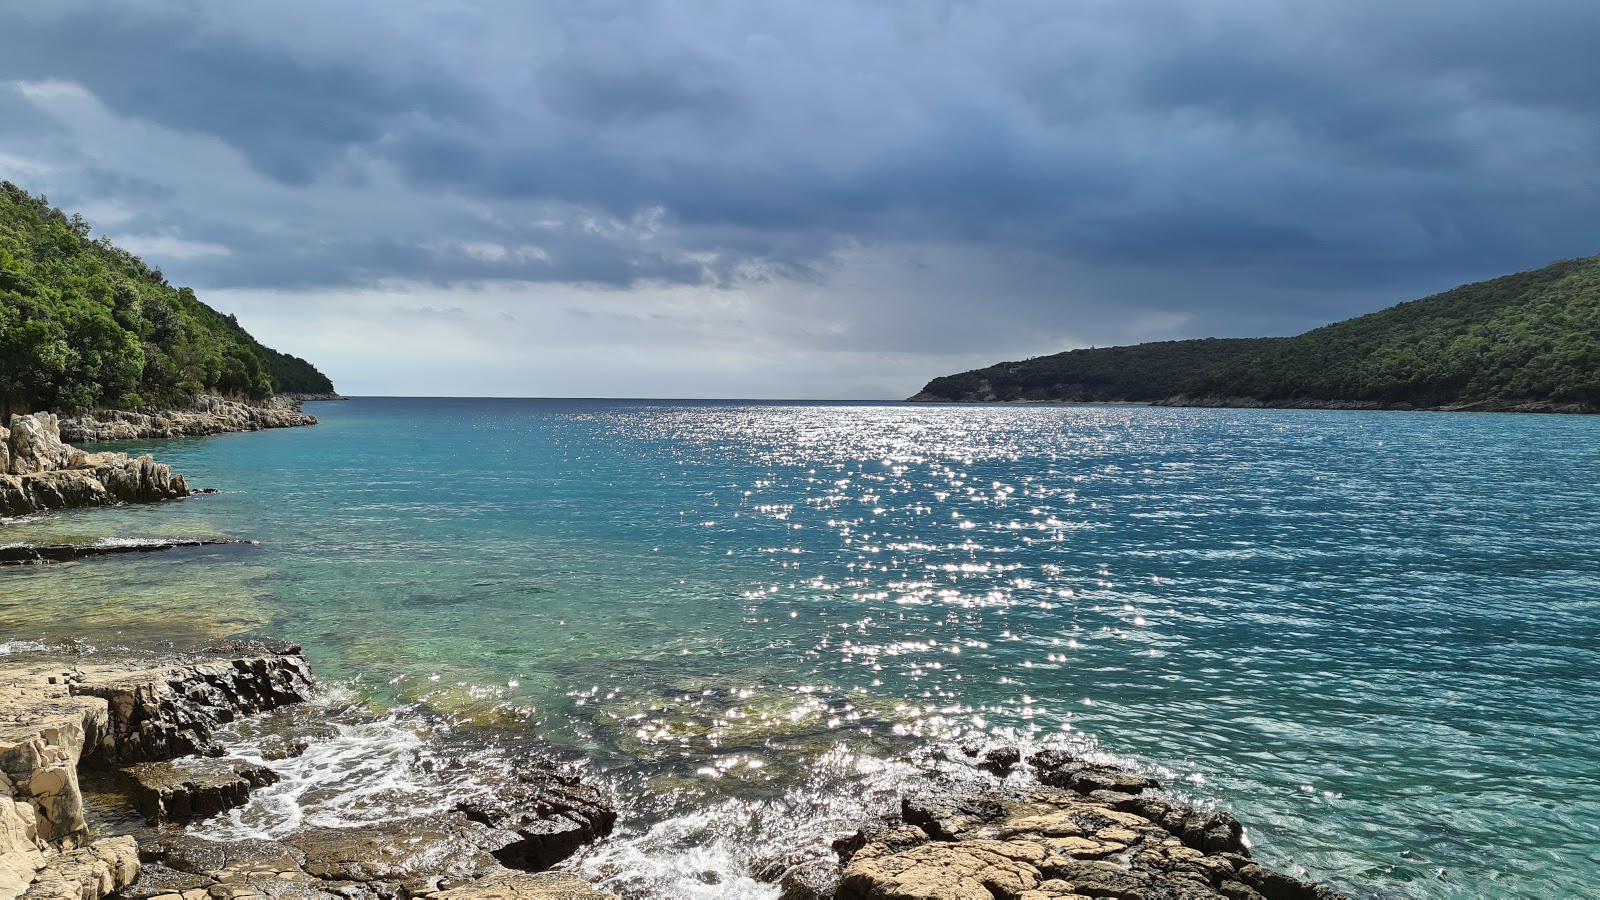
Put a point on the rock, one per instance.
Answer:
(35, 446)
(551, 812)
(58, 712)
(210, 415)
(892, 837)
(946, 815)
(194, 789)
(98, 870)
(159, 714)
(974, 870)
(393, 852)
(21, 554)
(958, 841)
(523, 886)
(42, 473)
(1002, 760)
(814, 880)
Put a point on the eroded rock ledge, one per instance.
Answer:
(1084, 831)
(39, 472)
(154, 720)
(210, 415)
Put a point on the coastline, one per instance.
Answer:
(144, 728)
(153, 724)
(1539, 407)
(39, 472)
(210, 415)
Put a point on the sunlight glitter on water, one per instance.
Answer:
(1253, 600)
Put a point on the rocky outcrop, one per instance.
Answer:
(155, 721)
(210, 415)
(1086, 831)
(194, 788)
(58, 712)
(551, 813)
(23, 554)
(40, 472)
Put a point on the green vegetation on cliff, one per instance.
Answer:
(1141, 372)
(1533, 337)
(86, 324)
(1529, 337)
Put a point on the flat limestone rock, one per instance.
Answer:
(523, 886)
(552, 813)
(98, 870)
(61, 709)
(189, 789)
(1072, 837)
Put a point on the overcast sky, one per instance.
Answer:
(828, 199)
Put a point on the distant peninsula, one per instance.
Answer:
(1528, 342)
(86, 325)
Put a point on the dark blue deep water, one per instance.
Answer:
(1374, 636)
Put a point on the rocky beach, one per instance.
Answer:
(209, 415)
(146, 724)
(41, 472)
(146, 728)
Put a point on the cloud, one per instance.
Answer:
(938, 180)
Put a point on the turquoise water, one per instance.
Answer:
(1374, 636)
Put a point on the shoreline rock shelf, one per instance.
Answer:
(210, 415)
(1084, 830)
(153, 720)
(39, 472)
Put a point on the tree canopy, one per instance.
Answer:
(86, 324)
(1529, 337)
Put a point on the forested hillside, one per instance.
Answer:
(85, 324)
(1529, 338)
(1533, 336)
(1135, 373)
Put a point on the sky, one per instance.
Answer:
(820, 199)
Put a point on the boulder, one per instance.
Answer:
(551, 812)
(193, 788)
(42, 473)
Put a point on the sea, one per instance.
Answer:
(1373, 636)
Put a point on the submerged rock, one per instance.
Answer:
(22, 554)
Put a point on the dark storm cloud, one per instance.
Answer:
(1259, 165)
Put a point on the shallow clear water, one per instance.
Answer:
(1374, 636)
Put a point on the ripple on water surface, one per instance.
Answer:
(1375, 636)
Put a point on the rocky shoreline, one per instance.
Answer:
(1073, 830)
(150, 722)
(1051, 827)
(39, 472)
(210, 415)
(1219, 402)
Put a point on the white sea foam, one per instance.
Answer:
(9, 647)
(364, 773)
